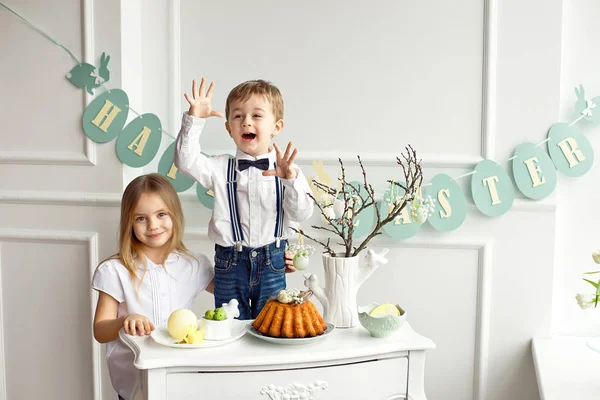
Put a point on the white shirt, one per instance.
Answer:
(256, 193)
(162, 291)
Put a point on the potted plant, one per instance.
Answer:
(340, 208)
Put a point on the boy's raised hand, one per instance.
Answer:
(200, 102)
(284, 167)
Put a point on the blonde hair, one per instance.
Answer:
(130, 248)
(245, 90)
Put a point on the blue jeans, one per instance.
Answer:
(251, 276)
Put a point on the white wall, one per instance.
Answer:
(59, 200)
(577, 198)
(391, 73)
(366, 79)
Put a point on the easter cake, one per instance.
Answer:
(290, 315)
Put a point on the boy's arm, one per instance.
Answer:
(298, 206)
(188, 156)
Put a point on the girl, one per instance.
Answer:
(152, 275)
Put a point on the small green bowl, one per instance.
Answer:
(381, 326)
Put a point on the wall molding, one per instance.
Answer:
(490, 59)
(89, 155)
(45, 236)
(87, 158)
(383, 159)
(174, 33)
(89, 51)
(61, 198)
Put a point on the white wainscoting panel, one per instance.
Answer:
(45, 335)
(348, 70)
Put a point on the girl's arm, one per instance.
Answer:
(211, 287)
(107, 325)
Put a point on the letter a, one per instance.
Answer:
(140, 141)
(172, 172)
(404, 217)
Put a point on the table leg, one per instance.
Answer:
(415, 387)
(154, 383)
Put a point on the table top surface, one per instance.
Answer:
(566, 368)
(341, 344)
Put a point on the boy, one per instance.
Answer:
(258, 194)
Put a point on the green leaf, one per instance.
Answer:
(592, 272)
(594, 284)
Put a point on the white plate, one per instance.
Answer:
(289, 341)
(161, 336)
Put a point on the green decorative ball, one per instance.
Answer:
(220, 314)
(209, 314)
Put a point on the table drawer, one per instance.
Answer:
(372, 380)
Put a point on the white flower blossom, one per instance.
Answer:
(596, 256)
(585, 300)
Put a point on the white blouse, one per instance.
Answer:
(162, 291)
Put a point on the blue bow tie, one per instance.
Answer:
(263, 164)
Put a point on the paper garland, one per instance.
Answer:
(492, 190)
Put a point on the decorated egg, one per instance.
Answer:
(338, 208)
(329, 213)
(300, 262)
(419, 215)
(181, 322)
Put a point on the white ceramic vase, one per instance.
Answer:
(343, 278)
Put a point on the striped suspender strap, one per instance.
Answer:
(280, 191)
(234, 215)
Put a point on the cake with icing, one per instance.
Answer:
(290, 315)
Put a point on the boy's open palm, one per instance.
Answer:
(285, 161)
(200, 101)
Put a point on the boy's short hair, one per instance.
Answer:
(244, 90)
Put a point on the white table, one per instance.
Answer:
(346, 364)
(566, 368)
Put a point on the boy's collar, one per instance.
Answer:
(271, 155)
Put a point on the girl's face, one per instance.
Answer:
(152, 225)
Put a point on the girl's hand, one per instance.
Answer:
(284, 167)
(289, 262)
(200, 102)
(136, 324)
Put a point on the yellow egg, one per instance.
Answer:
(181, 322)
(385, 309)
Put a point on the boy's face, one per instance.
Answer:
(251, 124)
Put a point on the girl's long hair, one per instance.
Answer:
(130, 248)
